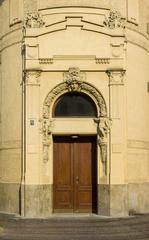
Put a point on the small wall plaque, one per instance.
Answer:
(32, 122)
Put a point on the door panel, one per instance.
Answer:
(63, 175)
(83, 173)
(75, 177)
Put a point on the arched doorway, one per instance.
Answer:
(75, 159)
(68, 136)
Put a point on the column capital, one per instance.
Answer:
(116, 76)
(32, 77)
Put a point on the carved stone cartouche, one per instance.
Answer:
(33, 20)
(114, 20)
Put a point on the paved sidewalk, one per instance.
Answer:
(74, 228)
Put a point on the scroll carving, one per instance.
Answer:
(114, 20)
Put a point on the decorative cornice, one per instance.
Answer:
(98, 60)
(45, 60)
(103, 60)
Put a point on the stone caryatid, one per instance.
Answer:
(46, 130)
(103, 128)
(104, 125)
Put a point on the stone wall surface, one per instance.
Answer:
(10, 111)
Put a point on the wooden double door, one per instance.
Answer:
(75, 174)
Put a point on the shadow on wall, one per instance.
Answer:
(1, 1)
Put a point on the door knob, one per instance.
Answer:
(77, 179)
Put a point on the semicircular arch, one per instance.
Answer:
(83, 87)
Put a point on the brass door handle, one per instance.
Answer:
(77, 179)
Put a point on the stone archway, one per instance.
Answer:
(74, 81)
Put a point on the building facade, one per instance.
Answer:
(74, 107)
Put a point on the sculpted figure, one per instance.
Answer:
(104, 127)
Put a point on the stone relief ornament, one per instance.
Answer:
(104, 126)
(33, 77)
(114, 20)
(46, 126)
(33, 20)
(103, 129)
(102, 60)
(65, 87)
(45, 60)
(74, 79)
(116, 77)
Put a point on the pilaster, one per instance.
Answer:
(117, 115)
(117, 98)
(32, 126)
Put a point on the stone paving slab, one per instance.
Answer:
(74, 228)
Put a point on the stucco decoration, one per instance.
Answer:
(46, 126)
(114, 20)
(102, 60)
(73, 81)
(33, 20)
(103, 129)
(116, 77)
(32, 77)
(45, 60)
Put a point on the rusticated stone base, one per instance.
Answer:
(104, 199)
(10, 198)
(118, 200)
(112, 200)
(124, 199)
(138, 197)
(37, 200)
